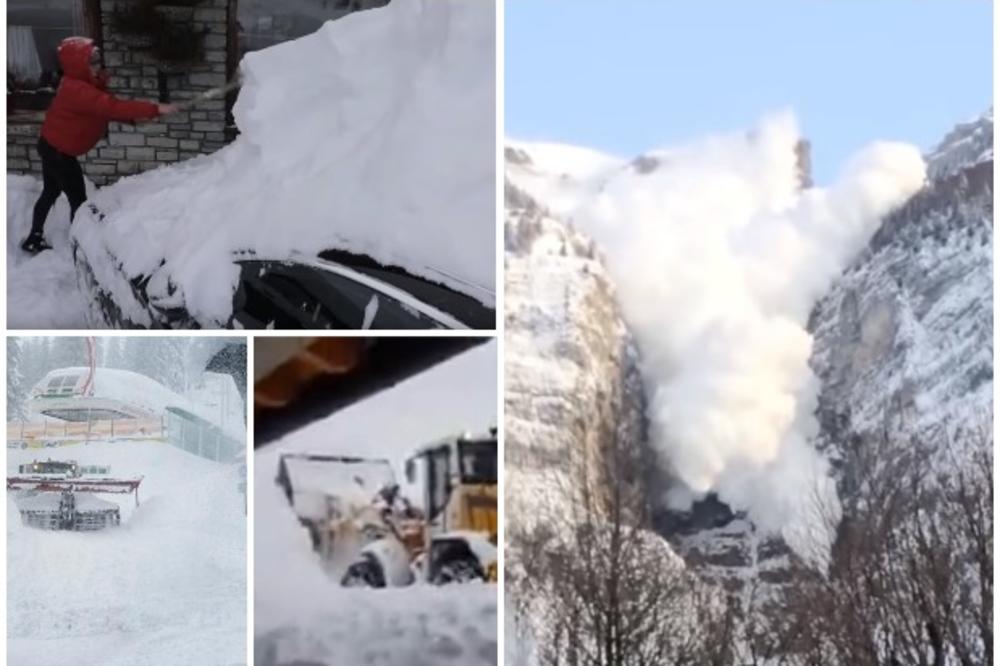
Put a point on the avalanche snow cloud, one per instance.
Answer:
(375, 135)
(718, 255)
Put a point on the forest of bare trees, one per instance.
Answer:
(908, 579)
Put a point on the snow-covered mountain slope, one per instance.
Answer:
(568, 351)
(374, 135)
(904, 339)
(570, 365)
(908, 324)
(967, 145)
(556, 174)
(166, 587)
(570, 372)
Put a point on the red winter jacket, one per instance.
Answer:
(78, 116)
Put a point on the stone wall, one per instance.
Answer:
(132, 148)
(22, 135)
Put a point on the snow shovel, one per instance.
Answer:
(211, 94)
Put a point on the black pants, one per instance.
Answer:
(61, 173)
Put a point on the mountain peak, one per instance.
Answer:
(968, 144)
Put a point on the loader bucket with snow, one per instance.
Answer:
(332, 496)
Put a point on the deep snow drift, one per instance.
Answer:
(375, 135)
(41, 291)
(166, 587)
(718, 257)
(299, 614)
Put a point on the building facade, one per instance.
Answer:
(158, 50)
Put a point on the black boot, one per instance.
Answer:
(35, 243)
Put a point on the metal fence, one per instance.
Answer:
(38, 433)
(200, 437)
(183, 430)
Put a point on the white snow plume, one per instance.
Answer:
(718, 255)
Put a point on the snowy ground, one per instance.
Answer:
(166, 587)
(302, 617)
(41, 290)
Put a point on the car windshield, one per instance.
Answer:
(49, 467)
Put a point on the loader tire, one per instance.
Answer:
(459, 570)
(366, 572)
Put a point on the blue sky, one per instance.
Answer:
(625, 76)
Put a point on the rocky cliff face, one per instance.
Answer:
(904, 339)
(570, 365)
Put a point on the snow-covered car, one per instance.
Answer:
(360, 191)
(333, 290)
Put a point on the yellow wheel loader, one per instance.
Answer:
(454, 538)
(458, 476)
(352, 507)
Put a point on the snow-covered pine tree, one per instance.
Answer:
(66, 353)
(199, 353)
(34, 360)
(139, 356)
(169, 354)
(113, 355)
(17, 392)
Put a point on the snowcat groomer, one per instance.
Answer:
(59, 495)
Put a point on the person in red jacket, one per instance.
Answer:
(75, 121)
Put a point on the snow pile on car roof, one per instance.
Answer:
(373, 135)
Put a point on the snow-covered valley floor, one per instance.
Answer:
(41, 290)
(168, 586)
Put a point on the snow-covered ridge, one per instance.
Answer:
(903, 340)
(374, 135)
(557, 175)
(967, 145)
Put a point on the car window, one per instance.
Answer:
(286, 295)
(465, 308)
